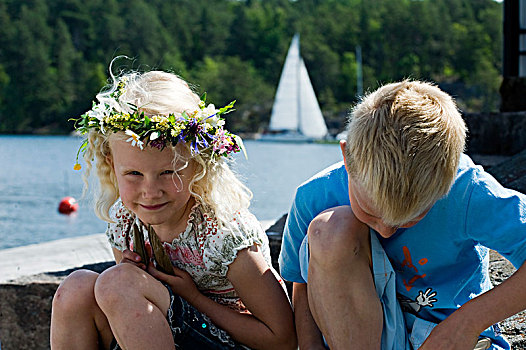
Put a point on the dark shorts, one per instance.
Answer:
(192, 329)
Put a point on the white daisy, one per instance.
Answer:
(134, 139)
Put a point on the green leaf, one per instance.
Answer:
(227, 109)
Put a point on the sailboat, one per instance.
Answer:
(296, 114)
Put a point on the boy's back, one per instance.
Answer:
(440, 263)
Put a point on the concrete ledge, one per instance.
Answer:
(59, 255)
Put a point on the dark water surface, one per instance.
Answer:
(36, 172)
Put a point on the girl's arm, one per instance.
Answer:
(270, 324)
(117, 254)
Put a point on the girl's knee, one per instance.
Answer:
(76, 291)
(337, 233)
(113, 283)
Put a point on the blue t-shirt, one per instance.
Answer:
(441, 262)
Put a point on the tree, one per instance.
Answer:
(223, 83)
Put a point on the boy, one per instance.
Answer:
(390, 249)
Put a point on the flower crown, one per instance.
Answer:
(203, 128)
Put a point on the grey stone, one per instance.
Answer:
(512, 172)
(496, 133)
(512, 92)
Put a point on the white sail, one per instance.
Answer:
(296, 109)
(311, 120)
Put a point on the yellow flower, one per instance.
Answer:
(77, 166)
(162, 122)
(176, 129)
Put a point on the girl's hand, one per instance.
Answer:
(181, 284)
(130, 257)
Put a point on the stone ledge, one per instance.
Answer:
(25, 304)
(496, 133)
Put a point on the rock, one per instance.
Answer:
(274, 234)
(512, 172)
(496, 133)
(25, 310)
(278, 227)
(512, 92)
(514, 328)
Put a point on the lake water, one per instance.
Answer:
(36, 172)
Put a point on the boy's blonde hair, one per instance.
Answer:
(404, 142)
(161, 93)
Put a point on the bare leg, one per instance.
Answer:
(136, 306)
(76, 320)
(341, 292)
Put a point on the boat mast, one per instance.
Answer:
(298, 85)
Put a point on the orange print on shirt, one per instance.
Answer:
(408, 261)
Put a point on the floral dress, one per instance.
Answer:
(205, 250)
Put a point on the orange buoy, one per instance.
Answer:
(68, 205)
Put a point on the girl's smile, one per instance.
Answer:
(153, 207)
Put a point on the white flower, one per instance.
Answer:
(154, 135)
(98, 112)
(211, 118)
(101, 125)
(134, 139)
(215, 121)
(209, 110)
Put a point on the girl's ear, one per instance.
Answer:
(109, 160)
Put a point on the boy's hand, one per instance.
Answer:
(130, 257)
(182, 283)
(449, 335)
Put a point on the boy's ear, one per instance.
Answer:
(343, 146)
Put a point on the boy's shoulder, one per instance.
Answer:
(328, 188)
(473, 178)
(331, 174)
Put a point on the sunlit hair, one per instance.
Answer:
(159, 93)
(404, 141)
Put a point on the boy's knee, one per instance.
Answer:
(336, 234)
(76, 291)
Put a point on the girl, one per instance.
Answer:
(193, 265)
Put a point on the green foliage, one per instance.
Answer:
(54, 54)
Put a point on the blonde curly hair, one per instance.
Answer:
(214, 184)
(404, 142)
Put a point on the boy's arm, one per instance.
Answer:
(309, 336)
(462, 328)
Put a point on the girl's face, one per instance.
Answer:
(149, 187)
